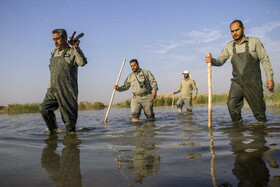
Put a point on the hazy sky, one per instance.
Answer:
(166, 36)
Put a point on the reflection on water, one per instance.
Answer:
(175, 150)
(248, 144)
(213, 174)
(142, 160)
(64, 170)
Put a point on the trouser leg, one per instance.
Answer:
(68, 107)
(235, 102)
(188, 103)
(180, 103)
(46, 109)
(254, 97)
(136, 108)
(147, 104)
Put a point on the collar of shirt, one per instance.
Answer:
(245, 40)
(139, 70)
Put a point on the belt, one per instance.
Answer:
(141, 95)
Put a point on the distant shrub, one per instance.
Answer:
(273, 98)
(89, 106)
(22, 108)
(125, 104)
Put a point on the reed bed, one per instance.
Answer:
(83, 105)
(161, 100)
(273, 98)
(21, 108)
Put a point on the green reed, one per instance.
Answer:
(166, 100)
(161, 100)
(83, 105)
(273, 98)
(21, 108)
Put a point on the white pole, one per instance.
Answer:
(209, 94)
(109, 107)
(172, 102)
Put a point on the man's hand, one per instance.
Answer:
(194, 97)
(116, 87)
(270, 85)
(154, 95)
(174, 93)
(75, 44)
(208, 58)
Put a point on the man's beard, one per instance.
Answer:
(59, 46)
(239, 37)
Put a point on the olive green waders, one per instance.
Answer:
(63, 93)
(246, 83)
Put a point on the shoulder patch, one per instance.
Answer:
(67, 55)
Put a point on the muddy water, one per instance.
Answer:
(175, 150)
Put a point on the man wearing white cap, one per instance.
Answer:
(187, 85)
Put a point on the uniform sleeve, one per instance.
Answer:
(179, 89)
(49, 85)
(263, 57)
(79, 56)
(222, 58)
(153, 82)
(194, 88)
(125, 86)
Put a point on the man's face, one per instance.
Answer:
(59, 41)
(186, 75)
(134, 66)
(236, 31)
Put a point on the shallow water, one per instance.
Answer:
(175, 150)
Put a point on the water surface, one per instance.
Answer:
(175, 150)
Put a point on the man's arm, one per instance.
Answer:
(263, 57)
(194, 88)
(153, 82)
(221, 59)
(124, 87)
(179, 89)
(79, 56)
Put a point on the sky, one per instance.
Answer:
(166, 36)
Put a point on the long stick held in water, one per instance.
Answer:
(109, 107)
(209, 94)
(172, 102)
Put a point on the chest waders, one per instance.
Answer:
(246, 83)
(63, 93)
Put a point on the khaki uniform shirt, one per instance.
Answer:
(186, 87)
(74, 56)
(142, 82)
(256, 49)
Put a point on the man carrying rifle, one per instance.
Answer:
(62, 90)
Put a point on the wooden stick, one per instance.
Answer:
(209, 95)
(172, 102)
(109, 107)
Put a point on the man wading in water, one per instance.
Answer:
(245, 54)
(187, 85)
(144, 90)
(62, 91)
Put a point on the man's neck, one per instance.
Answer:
(240, 40)
(137, 71)
(64, 47)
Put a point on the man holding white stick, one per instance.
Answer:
(187, 86)
(245, 54)
(144, 90)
